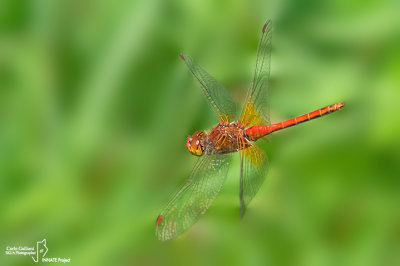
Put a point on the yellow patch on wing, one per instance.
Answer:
(250, 116)
(255, 155)
(224, 118)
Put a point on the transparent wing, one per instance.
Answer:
(256, 105)
(217, 96)
(253, 169)
(194, 197)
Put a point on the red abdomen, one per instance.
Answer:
(256, 132)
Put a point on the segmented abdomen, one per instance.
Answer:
(256, 132)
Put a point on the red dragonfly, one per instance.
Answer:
(215, 147)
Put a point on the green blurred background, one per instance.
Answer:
(96, 105)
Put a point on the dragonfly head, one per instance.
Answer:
(195, 143)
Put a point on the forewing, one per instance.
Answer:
(253, 169)
(194, 197)
(217, 96)
(256, 105)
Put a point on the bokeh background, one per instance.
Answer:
(95, 108)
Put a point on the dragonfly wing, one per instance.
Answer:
(253, 169)
(194, 197)
(217, 96)
(256, 106)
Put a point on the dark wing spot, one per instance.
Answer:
(159, 218)
(265, 26)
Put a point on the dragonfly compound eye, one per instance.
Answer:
(195, 143)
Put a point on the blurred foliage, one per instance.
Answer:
(95, 107)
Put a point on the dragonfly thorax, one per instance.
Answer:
(195, 143)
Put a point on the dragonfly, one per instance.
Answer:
(215, 147)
